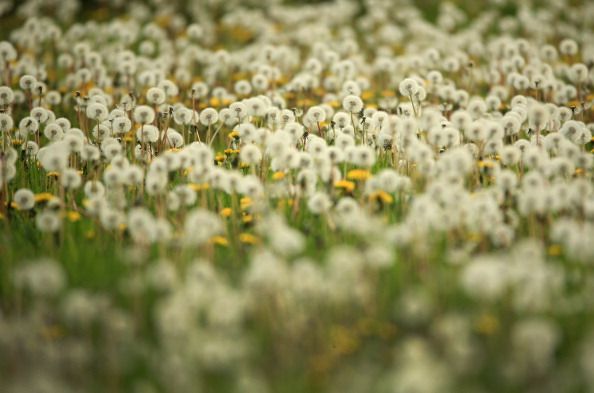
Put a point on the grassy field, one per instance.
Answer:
(348, 196)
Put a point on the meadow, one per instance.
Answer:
(293, 197)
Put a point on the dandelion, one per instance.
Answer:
(24, 199)
(250, 154)
(352, 104)
(144, 114)
(48, 221)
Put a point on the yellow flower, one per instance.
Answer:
(278, 175)
(245, 202)
(73, 216)
(573, 104)
(388, 93)
(219, 241)
(487, 324)
(226, 212)
(343, 340)
(248, 238)
(43, 197)
(475, 237)
(199, 187)
(53, 174)
(382, 196)
(220, 157)
(554, 250)
(486, 164)
(347, 185)
(367, 95)
(233, 134)
(163, 20)
(215, 102)
(247, 218)
(358, 174)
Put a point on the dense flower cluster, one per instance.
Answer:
(269, 197)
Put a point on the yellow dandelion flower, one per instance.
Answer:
(245, 202)
(367, 95)
(486, 164)
(199, 187)
(248, 218)
(358, 174)
(53, 174)
(343, 340)
(573, 104)
(220, 157)
(345, 184)
(487, 324)
(475, 237)
(382, 196)
(554, 250)
(248, 238)
(278, 176)
(43, 197)
(219, 241)
(233, 134)
(73, 216)
(226, 212)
